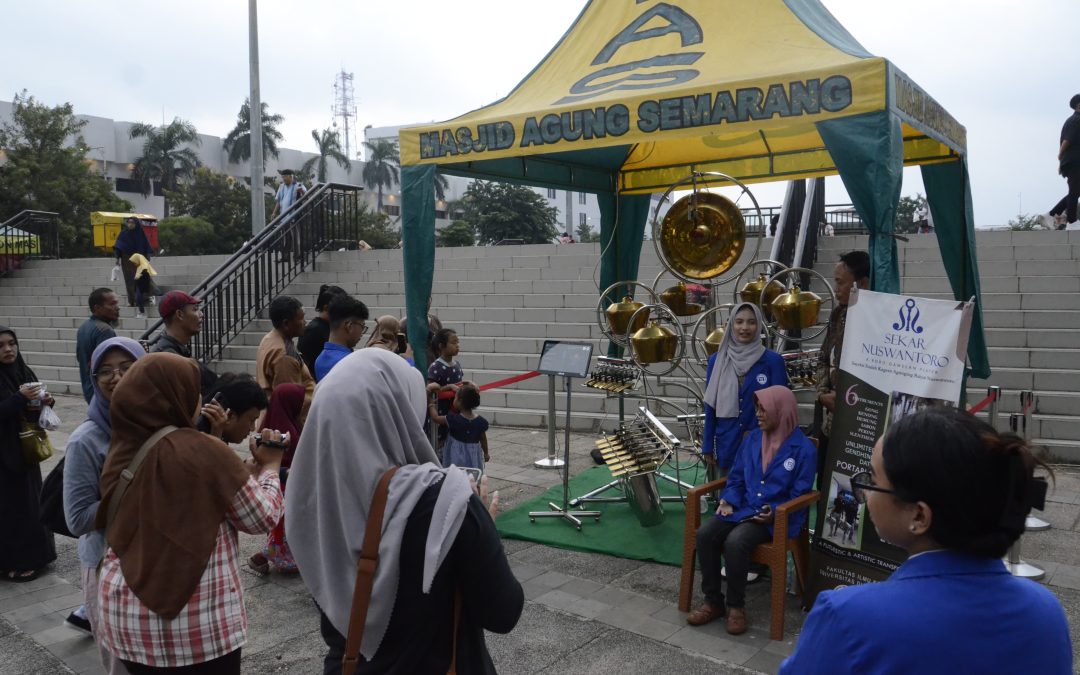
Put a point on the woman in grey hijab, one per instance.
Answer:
(438, 537)
(741, 366)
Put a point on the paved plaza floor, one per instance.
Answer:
(584, 613)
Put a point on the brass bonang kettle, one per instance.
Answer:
(655, 343)
(797, 309)
(620, 313)
(713, 340)
(751, 292)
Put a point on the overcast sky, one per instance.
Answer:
(1004, 68)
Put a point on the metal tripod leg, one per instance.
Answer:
(682, 484)
(592, 496)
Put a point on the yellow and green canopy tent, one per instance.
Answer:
(638, 95)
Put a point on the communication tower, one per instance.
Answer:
(344, 107)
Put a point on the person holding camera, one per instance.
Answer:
(954, 494)
(169, 590)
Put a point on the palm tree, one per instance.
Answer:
(381, 169)
(441, 186)
(238, 142)
(329, 144)
(163, 159)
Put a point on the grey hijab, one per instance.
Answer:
(365, 418)
(733, 360)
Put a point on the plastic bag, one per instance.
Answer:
(48, 420)
(115, 274)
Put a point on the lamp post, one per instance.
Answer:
(258, 207)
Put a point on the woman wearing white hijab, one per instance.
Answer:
(437, 537)
(740, 367)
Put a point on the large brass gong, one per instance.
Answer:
(702, 236)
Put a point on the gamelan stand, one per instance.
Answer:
(669, 439)
(567, 360)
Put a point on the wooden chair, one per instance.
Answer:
(774, 554)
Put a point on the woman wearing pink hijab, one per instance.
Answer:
(775, 464)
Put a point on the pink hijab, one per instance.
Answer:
(780, 404)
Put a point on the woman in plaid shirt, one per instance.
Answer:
(170, 590)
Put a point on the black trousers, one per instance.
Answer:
(223, 665)
(336, 642)
(128, 269)
(1067, 205)
(734, 543)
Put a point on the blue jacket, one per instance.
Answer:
(331, 354)
(940, 612)
(722, 436)
(789, 475)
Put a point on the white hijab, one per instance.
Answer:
(733, 360)
(365, 418)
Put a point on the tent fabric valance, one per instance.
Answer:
(638, 95)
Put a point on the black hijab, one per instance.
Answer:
(132, 241)
(14, 375)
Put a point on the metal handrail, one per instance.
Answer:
(243, 286)
(28, 234)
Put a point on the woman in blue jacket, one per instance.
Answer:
(775, 464)
(740, 367)
(954, 493)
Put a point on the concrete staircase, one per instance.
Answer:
(504, 302)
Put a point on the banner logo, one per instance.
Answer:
(909, 318)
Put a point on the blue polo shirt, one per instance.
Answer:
(331, 354)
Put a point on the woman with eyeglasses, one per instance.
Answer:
(954, 494)
(775, 464)
(84, 459)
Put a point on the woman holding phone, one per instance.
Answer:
(170, 591)
(775, 464)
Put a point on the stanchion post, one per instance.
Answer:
(552, 461)
(1027, 405)
(994, 392)
(1013, 562)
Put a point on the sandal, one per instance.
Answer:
(259, 564)
(22, 577)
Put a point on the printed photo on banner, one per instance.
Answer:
(845, 516)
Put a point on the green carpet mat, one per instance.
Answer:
(619, 533)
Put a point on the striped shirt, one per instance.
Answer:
(214, 621)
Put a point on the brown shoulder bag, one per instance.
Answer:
(365, 580)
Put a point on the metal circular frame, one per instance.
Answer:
(831, 300)
(698, 345)
(601, 310)
(693, 178)
(680, 349)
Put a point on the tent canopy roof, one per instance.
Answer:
(636, 93)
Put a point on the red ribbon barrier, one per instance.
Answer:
(983, 403)
(496, 384)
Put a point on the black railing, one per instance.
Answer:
(27, 235)
(843, 218)
(243, 286)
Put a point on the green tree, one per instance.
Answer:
(504, 211)
(238, 142)
(184, 235)
(329, 145)
(375, 227)
(457, 233)
(905, 211)
(1024, 222)
(381, 169)
(221, 201)
(441, 186)
(585, 235)
(164, 158)
(46, 169)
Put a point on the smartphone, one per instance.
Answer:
(402, 345)
(203, 424)
(474, 472)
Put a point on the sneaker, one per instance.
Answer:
(1060, 222)
(140, 315)
(1047, 221)
(79, 623)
